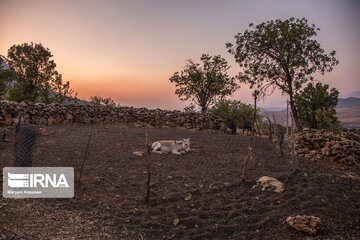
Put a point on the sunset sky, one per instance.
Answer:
(127, 50)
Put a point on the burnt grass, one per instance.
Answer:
(198, 195)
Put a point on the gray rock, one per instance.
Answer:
(306, 224)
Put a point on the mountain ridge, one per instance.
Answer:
(342, 103)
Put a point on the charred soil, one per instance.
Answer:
(197, 195)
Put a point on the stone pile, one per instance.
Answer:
(341, 148)
(42, 114)
(307, 224)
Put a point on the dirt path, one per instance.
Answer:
(109, 203)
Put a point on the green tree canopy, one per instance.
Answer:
(281, 54)
(7, 76)
(204, 84)
(38, 79)
(316, 106)
(234, 113)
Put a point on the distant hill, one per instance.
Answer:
(271, 109)
(348, 116)
(352, 94)
(348, 112)
(342, 103)
(280, 116)
(348, 102)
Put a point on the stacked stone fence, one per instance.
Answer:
(51, 114)
(343, 148)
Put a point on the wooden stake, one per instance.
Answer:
(147, 193)
(275, 132)
(86, 150)
(270, 130)
(249, 155)
(287, 117)
(292, 138)
(257, 126)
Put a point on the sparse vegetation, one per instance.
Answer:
(190, 108)
(235, 114)
(97, 101)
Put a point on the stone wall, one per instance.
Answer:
(341, 148)
(42, 114)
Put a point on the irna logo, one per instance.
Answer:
(38, 182)
(16, 180)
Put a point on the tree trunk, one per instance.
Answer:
(30, 93)
(257, 126)
(203, 109)
(275, 139)
(295, 115)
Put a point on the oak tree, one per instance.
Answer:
(281, 54)
(316, 106)
(37, 77)
(205, 83)
(7, 76)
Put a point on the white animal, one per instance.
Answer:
(266, 182)
(171, 146)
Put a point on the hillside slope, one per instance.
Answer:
(349, 117)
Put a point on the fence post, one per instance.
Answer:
(148, 149)
(292, 138)
(249, 155)
(270, 130)
(87, 147)
(275, 139)
(287, 118)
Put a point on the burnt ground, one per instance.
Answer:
(109, 204)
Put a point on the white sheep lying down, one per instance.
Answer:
(171, 146)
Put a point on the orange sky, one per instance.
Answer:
(127, 50)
